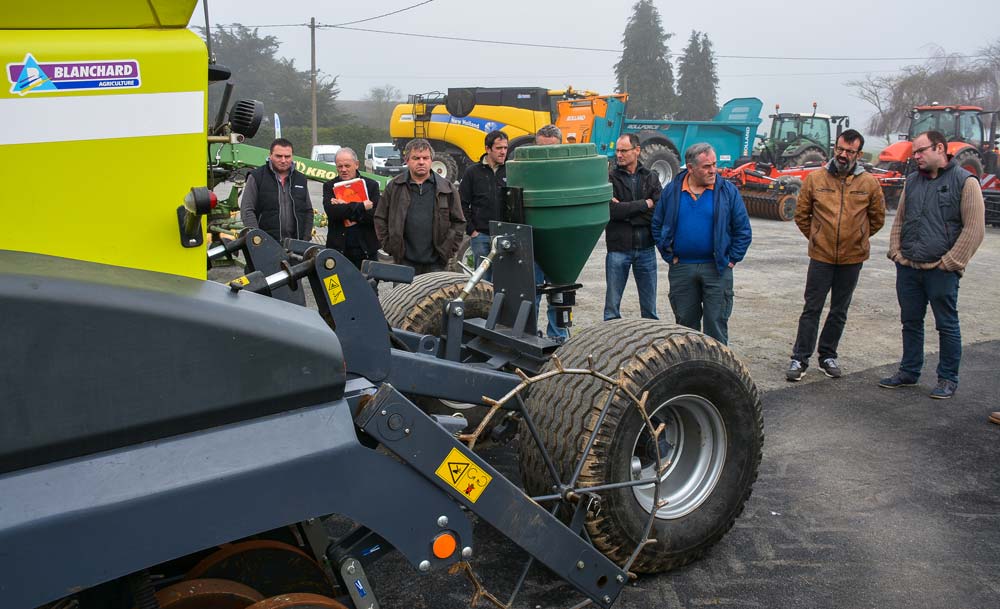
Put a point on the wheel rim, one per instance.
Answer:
(664, 170)
(693, 444)
(440, 168)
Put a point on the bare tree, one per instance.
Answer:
(945, 78)
(877, 91)
(384, 99)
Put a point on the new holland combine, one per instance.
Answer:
(170, 442)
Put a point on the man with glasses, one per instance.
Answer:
(838, 210)
(628, 236)
(938, 227)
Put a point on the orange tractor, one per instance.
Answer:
(972, 140)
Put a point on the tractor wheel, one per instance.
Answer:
(445, 166)
(969, 160)
(712, 444)
(418, 306)
(464, 256)
(807, 157)
(660, 160)
(892, 166)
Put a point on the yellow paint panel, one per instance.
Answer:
(460, 473)
(111, 201)
(74, 14)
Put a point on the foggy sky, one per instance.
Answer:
(841, 30)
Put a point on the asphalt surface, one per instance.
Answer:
(866, 497)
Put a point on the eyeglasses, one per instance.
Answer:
(922, 149)
(624, 150)
(840, 150)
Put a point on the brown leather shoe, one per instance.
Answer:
(995, 417)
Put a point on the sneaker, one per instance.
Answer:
(900, 379)
(796, 370)
(830, 367)
(945, 389)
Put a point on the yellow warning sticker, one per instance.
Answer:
(333, 290)
(242, 280)
(463, 475)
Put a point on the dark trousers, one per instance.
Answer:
(698, 292)
(420, 269)
(839, 281)
(915, 289)
(356, 255)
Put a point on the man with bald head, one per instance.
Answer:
(351, 225)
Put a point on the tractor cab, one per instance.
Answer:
(800, 139)
(962, 124)
(971, 133)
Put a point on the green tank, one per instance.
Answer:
(566, 195)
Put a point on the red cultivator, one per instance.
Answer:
(770, 192)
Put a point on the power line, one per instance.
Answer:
(395, 12)
(573, 48)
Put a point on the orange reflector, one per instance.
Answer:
(444, 545)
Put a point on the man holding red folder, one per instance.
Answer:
(349, 201)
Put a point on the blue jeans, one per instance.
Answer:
(616, 267)
(699, 295)
(480, 245)
(552, 331)
(915, 289)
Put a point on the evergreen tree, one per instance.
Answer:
(697, 80)
(259, 73)
(644, 71)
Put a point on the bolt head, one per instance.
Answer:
(330, 263)
(351, 569)
(384, 412)
(425, 565)
(580, 565)
(466, 552)
(442, 521)
(257, 240)
(621, 579)
(607, 599)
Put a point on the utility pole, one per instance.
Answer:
(312, 36)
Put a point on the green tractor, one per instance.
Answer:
(799, 139)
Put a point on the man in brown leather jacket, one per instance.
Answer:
(419, 219)
(839, 208)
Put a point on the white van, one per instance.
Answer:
(383, 158)
(326, 153)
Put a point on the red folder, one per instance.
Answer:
(350, 191)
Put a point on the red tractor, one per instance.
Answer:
(972, 139)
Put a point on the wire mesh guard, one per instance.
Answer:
(577, 501)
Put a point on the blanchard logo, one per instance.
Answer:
(32, 76)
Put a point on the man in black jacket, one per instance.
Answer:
(276, 199)
(351, 225)
(482, 194)
(628, 236)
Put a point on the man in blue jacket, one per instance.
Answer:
(702, 230)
